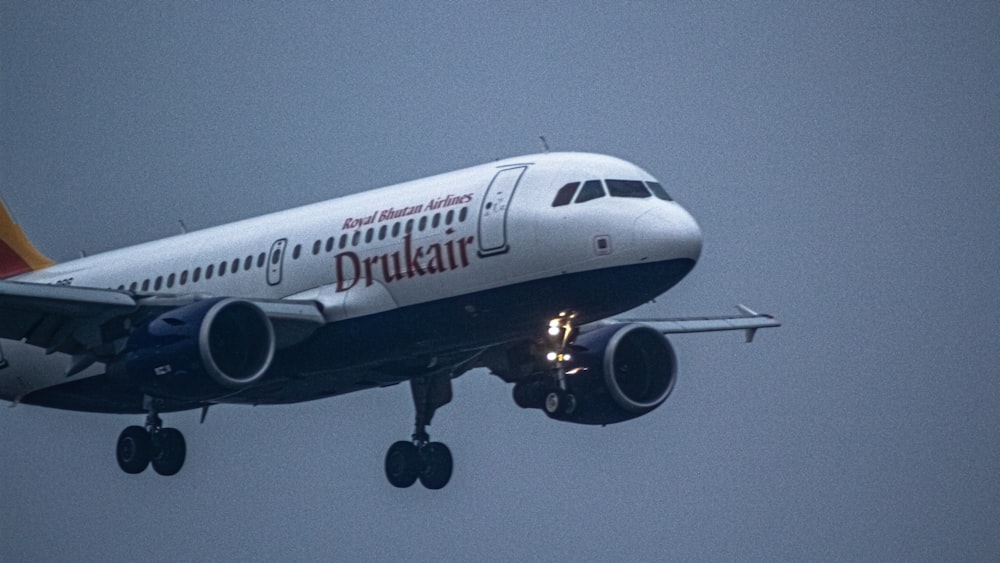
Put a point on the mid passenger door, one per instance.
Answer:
(493, 213)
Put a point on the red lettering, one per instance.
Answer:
(368, 269)
(412, 264)
(353, 279)
(435, 264)
(462, 243)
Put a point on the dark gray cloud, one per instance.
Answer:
(842, 161)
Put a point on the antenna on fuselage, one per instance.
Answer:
(545, 144)
(184, 228)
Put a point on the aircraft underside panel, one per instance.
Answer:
(393, 346)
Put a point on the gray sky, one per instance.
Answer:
(842, 159)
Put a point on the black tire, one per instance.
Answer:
(402, 464)
(169, 451)
(552, 402)
(437, 465)
(559, 403)
(134, 450)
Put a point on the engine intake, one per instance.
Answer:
(199, 351)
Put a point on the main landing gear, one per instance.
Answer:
(430, 462)
(163, 447)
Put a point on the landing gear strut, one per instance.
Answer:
(430, 462)
(163, 447)
(548, 391)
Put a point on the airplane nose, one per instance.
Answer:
(668, 233)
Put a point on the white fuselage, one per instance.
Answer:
(464, 232)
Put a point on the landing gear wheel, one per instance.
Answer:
(437, 465)
(402, 464)
(169, 451)
(559, 402)
(134, 450)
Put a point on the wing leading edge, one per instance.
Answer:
(749, 321)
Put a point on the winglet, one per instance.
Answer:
(747, 311)
(17, 255)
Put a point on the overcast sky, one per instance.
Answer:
(843, 160)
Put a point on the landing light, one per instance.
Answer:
(551, 356)
(554, 330)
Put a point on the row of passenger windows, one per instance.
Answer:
(210, 271)
(593, 189)
(384, 231)
(246, 264)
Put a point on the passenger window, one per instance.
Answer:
(260, 257)
(132, 286)
(329, 244)
(565, 194)
(423, 223)
(369, 235)
(316, 248)
(592, 189)
(409, 225)
(436, 221)
(236, 266)
(343, 241)
(627, 188)
(463, 214)
(196, 275)
(658, 191)
(159, 283)
(170, 280)
(356, 238)
(145, 285)
(184, 277)
(222, 268)
(295, 254)
(449, 217)
(381, 232)
(209, 271)
(395, 229)
(247, 263)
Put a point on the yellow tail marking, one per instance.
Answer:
(17, 255)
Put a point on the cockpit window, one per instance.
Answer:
(658, 191)
(592, 189)
(627, 188)
(565, 194)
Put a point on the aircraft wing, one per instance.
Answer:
(748, 320)
(75, 320)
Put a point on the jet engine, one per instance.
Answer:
(200, 351)
(614, 373)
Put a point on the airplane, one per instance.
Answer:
(519, 266)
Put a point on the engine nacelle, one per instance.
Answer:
(200, 351)
(616, 373)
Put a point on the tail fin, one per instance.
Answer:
(17, 255)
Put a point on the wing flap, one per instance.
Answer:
(68, 319)
(48, 315)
